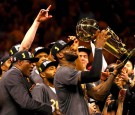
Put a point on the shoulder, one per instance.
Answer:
(65, 70)
(12, 72)
(66, 75)
(12, 75)
(40, 85)
(34, 71)
(39, 88)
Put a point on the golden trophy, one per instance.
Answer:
(85, 30)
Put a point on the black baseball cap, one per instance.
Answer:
(24, 55)
(50, 45)
(14, 49)
(41, 49)
(3, 60)
(58, 46)
(84, 49)
(46, 64)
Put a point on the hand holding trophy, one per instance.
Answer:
(86, 30)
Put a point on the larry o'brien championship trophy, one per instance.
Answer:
(85, 31)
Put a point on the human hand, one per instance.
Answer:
(93, 108)
(124, 74)
(101, 38)
(104, 75)
(118, 68)
(56, 112)
(109, 100)
(43, 15)
(75, 45)
(71, 38)
(122, 95)
(119, 82)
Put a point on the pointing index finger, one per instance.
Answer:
(49, 7)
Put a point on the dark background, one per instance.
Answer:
(16, 16)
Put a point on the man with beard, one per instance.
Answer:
(15, 95)
(68, 80)
(45, 92)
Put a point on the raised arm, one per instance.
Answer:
(102, 90)
(95, 71)
(121, 99)
(43, 15)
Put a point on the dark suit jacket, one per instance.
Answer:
(15, 98)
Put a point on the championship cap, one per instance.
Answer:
(46, 64)
(24, 55)
(41, 49)
(14, 49)
(58, 46)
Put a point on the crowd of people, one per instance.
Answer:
(57, 79)
(17, 16)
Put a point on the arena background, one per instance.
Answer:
(16, 16)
